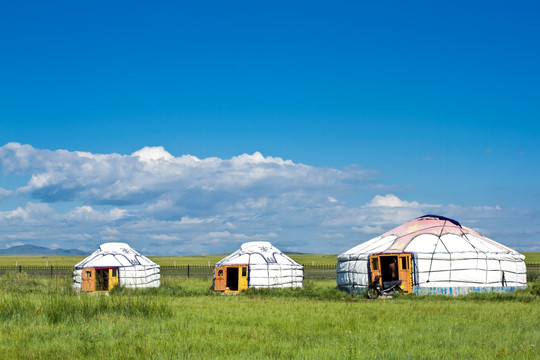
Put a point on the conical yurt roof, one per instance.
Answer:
(429, 234)
(257, 252)
(115, 254)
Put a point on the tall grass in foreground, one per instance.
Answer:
(183, 319)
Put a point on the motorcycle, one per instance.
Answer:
(375, 289)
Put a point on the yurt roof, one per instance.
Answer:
(115, 254)
(257, 252)
(429, 234)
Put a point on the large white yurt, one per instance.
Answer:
(257, 264)
(435, 255)
(112, 264)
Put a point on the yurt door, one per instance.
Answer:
(113, 278)
(405, 274)
(102, 279)
(232, 278)
(237, 278)
(220, 278)
(88, 279)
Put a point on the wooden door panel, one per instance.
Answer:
(220, 280)
(88, 280)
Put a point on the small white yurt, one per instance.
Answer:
(257, 264)
(112, 264)
(435, 255)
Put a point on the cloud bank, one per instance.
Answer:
(164, 204)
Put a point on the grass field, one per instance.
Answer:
(184, 319)
(532, 257)
(307, 259)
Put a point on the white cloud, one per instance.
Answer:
(219, 234)
(154, 177)
(389, 200)
(186, 220)
(177, 205)
(367, 229)
(4, 194)
(166, 237)
(87, 213)
(149, 154)
(107, 230)
(12, 244)
(33, 212)
(18, 213)
(332, 236)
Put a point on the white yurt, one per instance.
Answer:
(434, 255)
(112, 264)
(257, 264)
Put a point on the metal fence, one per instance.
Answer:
(533, 271)
(38, 270)
(310, 271)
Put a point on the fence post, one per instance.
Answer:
(51, 270)
(20, 269)
(188, 271)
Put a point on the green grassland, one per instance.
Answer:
(532, 257)
(40, 260)
(42, 318)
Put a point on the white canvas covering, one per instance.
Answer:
(134, 269)
(448, 258)
(268, 267)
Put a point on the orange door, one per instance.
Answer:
(375, 266)
(220, 279)
(88, 279)
(405, 274)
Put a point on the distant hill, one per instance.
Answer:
(33, 250)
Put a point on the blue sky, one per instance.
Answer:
(316, 125)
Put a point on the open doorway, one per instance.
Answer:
(389, 269)
(232, 278)
(102, 280)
